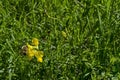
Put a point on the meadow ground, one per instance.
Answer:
(80, 39)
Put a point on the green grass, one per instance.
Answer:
(91, 50)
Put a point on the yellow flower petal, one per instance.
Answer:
(30, 52)
(39, 59)
(35, 42)
(29, 46)
(39, 54)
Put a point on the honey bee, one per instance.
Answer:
(24, 49)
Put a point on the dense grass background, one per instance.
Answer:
(91, 50)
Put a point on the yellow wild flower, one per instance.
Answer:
(32, 50)
(39, 59)
(39, 55)
(29, 46)
(35, 42)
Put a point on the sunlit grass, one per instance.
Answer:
(80, 39)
